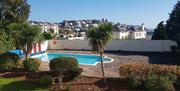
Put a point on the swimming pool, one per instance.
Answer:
(85, 59)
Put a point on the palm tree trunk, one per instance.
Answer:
(102, 67)
(26, 55)
(25, 52)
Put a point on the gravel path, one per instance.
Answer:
(111, 69)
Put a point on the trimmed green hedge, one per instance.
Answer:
(8, 61)
(31, 64)
(65, 66)
(63, 63)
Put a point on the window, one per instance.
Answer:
(136, 34)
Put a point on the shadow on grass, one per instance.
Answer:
(13, 74)
(22, 85)
(27, 75)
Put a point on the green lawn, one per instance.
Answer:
(15, 84)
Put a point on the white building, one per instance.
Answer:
(122, 31)
(121, 35)
(138, 35)
(82, 33)
(45, 26)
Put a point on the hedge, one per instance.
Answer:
(8, 61)
(65, 66)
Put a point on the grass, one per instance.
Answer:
(16, 84)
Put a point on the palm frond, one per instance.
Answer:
(99, 36)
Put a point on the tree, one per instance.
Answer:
(13, 11)
(6, 43)
(16, 34)
(51, 31)
(29, 35)
(65, 67)
(47, 35)
(173, 24)
(98, 38)
(160, 32)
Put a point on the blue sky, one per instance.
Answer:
(134, 12)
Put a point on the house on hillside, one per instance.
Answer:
(46, 26)
(82, 33)
(122, 31)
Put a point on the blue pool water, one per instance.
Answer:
(82, 59)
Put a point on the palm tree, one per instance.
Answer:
(25, 35)
(98, 38)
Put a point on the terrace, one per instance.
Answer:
(119, 59)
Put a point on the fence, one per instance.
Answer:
(116, 45)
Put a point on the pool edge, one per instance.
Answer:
(111, 59)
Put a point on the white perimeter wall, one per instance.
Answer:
(116, 45)
(44, 46)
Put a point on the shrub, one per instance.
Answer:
(142, 70)
(73, 73)
(133, 82)
(65, 66)
(136, 74)
(46, 80)
(8, 61)
(8, 64)
(178, 74)
(19, 64)
(31, 64)
(178, 67)
(9, 55)
(178, 70)
(178, 80)
(159, 83)
(47, 36)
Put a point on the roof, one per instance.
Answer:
(125, 28)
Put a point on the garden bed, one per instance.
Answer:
(83, 83)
